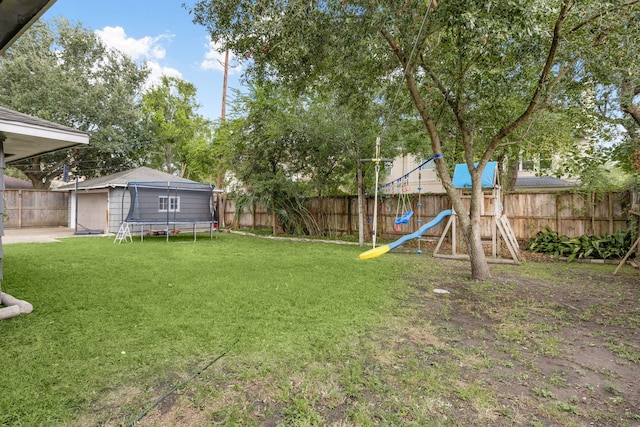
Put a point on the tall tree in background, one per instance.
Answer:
(465, 64)
(201, 153)
(282, 145)
(342, 132)
(266, 156)
(61, 72)
(171, 108)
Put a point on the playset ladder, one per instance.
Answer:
(124, 233)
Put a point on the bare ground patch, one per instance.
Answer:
(562, 347)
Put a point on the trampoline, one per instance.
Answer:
(167, 205)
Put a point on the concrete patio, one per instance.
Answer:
(38, 235)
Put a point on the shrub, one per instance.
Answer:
(612, 246)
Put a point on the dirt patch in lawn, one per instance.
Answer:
(542, 344)
(557, 345)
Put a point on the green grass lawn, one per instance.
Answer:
(311, 336)
(142, 315)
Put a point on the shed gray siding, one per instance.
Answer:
(194, 205)
(118, 208)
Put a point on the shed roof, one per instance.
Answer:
(120, 179)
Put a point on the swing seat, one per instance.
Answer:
(404, 219)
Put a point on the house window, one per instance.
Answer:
(169, 204)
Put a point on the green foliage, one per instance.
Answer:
(613, 67)
(62, 72)
(181, 137)
(288, 207)
(607, 247)
(282, 146)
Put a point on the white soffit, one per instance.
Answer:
(26, 136)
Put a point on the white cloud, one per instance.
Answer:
(144, 48)
(214, 59)
(148, 49)
(157, 71)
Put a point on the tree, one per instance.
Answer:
(341, 132)
(181, 136)
(201, 154)
(612, 68)
(465, 64)
(548, 137)
(283, 146)
(61, 72)
(266, 156)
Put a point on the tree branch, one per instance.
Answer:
(540, 88)
(602, 14)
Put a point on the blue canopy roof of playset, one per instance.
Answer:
(462, 177)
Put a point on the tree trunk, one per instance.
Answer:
(470, 220)
(512, 174)
(473, 231)
(628, 93)
(36, 179)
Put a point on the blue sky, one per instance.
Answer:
(161, 33)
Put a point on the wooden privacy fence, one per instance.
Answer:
(35, 208)
(571, 214)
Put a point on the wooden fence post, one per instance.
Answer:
(19, 208)
(610, 195)
(558, 222)
(349, 227)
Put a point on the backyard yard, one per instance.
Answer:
(246, 331)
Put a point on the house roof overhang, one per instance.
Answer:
(26, 136)
(16, 16)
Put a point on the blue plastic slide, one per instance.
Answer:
(375, 253)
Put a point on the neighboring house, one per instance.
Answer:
(404, 177)
(543, 183)
(103, 203)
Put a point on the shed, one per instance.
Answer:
(103, 203)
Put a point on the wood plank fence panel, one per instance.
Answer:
(35, 208)
(571, 214)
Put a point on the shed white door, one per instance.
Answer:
(92, 211)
